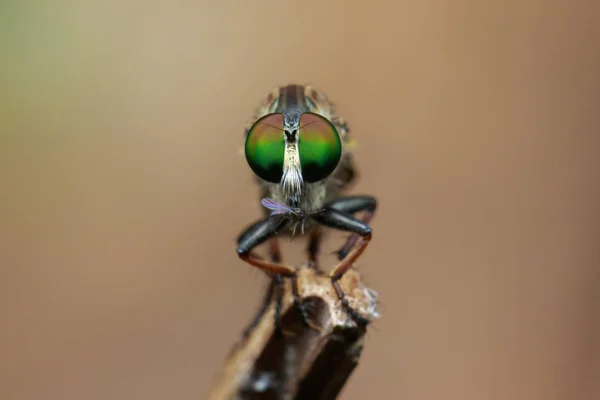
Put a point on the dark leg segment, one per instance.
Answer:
(258, 232)
(353, 204)
(278, 302)
(298, 302)
(314, 245)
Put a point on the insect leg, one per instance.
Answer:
(352, 205)
(255, 235)
(276, 258)
(252, 237)
(339, 220)
(298, 302)
(278, 281)
(314, 245)
(275, 255)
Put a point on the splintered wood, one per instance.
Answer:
(306, 362)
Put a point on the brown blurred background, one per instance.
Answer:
(123, 189)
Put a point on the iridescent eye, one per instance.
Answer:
(319, 146)
(265, 147)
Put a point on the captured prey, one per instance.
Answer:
(294, 214)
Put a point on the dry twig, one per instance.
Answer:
(306, 362)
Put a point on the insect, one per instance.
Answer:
(299, 151)
(294, 214)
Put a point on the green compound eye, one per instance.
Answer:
(265, 147)
(319, 146)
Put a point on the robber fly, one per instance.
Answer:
(299, 151)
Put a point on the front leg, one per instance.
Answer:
(275, 256)
(250, 238)
(352, 205)
(338, 220)
(255, 235)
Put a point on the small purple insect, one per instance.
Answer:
(280, 208)
(296, 215)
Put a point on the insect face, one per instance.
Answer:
(291, 149)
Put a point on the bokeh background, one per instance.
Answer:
(123, 187)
